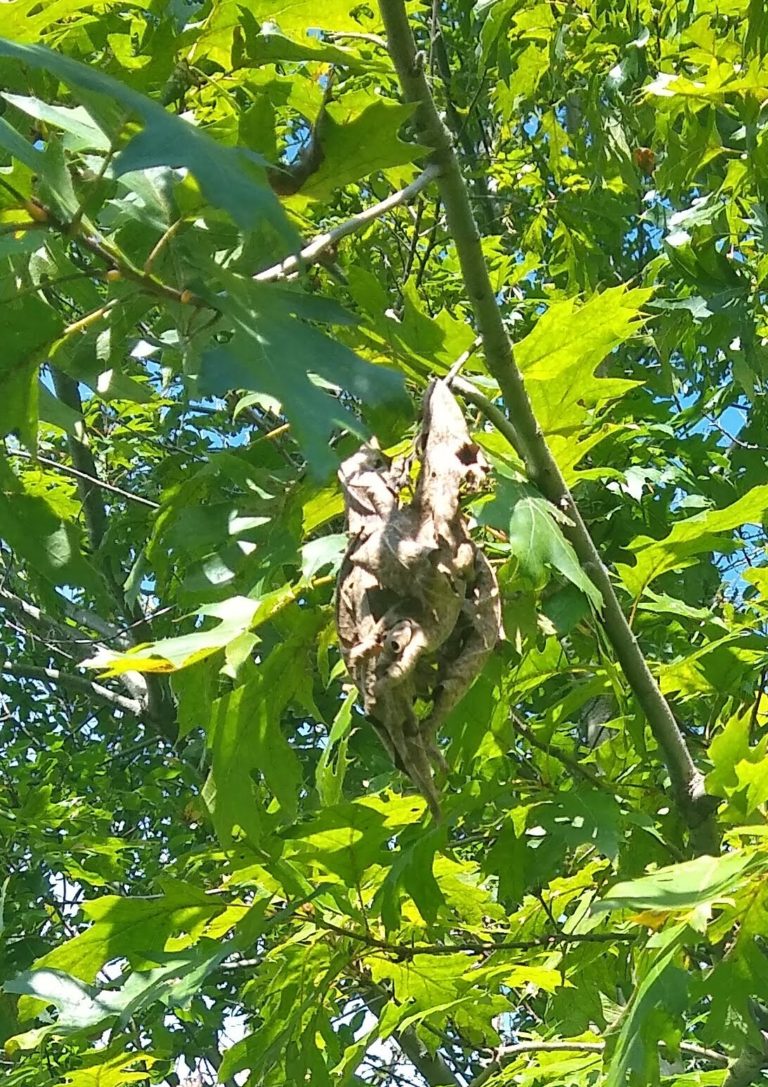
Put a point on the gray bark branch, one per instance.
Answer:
(695, 805)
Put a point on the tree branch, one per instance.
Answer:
(429, 1065)
(76, 683)
(84, 617)
(33, 616)
(311, 252)
(544, 943)
(507, 1053)
(30, 614)
(695, 805)
(86, 477)
(747, 1068)
(562, 756)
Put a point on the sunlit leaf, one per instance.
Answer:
(681, 886)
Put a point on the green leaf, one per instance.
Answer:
(237, 615)
(25, 20)
(559, 358)
(265, 45)
(110, 1068)
(49, 544)
(327, 551)
(31, 326)
(659, 997)
(355, 148)
(412, 871)
(537, 542)
(347, 839)
(79, 1005)
(683, 886)
(332, 765)
(441, 987)
(426, 981)
(739, 769)
(76, 121)
(56, 413)
(690, 538)
(130, 928)
(278, 355)
(229, 177)
(20, 148)
(245, 735)
(289, 17)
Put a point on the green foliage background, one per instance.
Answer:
(208, 863)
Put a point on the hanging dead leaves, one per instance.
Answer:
(417, 602)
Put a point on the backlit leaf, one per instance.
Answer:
(538, 543)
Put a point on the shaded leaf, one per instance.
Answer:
(537, 542)
(229, 177)
(247, 741)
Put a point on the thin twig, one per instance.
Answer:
(311, 252)
(414, 241)
(544, 943)
(68, 471)
(463, 358)
(76, 683)
(354, 35)
(90, 318)
(107, 254)
(161, 243)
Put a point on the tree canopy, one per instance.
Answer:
(237, 240)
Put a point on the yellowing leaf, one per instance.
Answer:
(237, 615)
(652, 919)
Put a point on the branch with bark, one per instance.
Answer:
(321, 244)
(694, 804)
(544, 943)
(75, 683)
(747, 1068)
(506, 1054)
